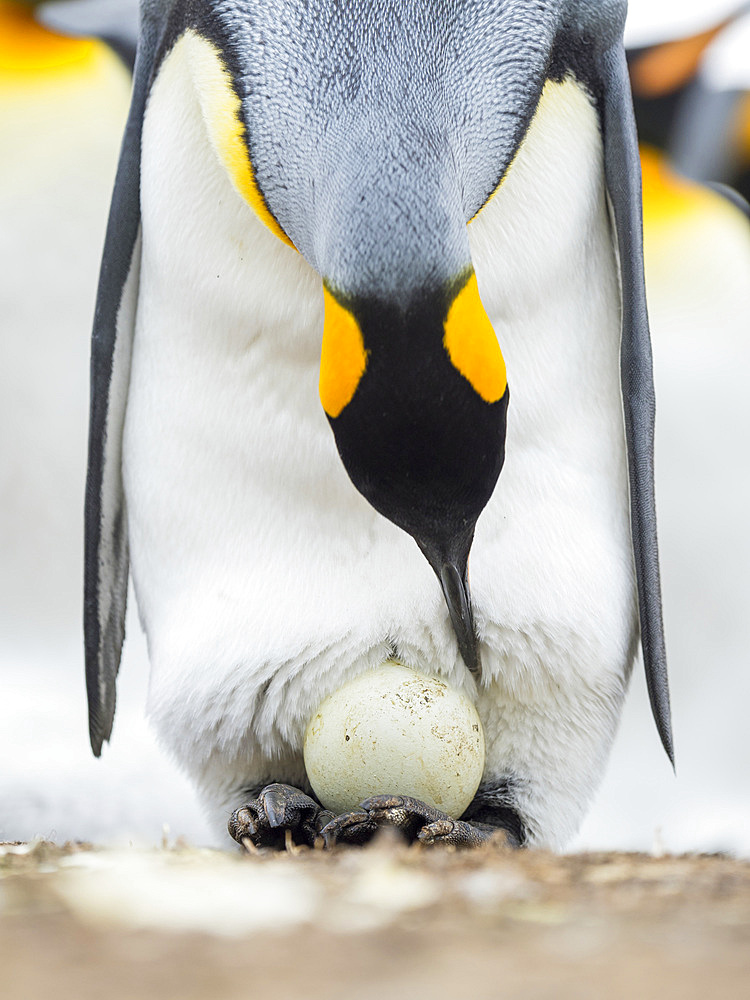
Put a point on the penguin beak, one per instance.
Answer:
(452, 572)
(457, 597)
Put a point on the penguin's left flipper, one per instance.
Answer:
(415, 820)
(277, 809)
(611, 86)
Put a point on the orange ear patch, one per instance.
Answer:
(472, 345)
(343, 358)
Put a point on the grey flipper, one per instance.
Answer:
(622, 168)
(106, 542)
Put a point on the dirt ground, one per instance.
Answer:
(78, 923)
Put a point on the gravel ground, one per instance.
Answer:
(79, 922)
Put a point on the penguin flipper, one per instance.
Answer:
(106, 542)
(623, 178)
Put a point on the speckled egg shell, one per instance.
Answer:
(395, 731)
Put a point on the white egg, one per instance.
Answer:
(395, 731)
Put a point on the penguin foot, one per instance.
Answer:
(278, 810)
(415, 820)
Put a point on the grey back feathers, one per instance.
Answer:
(376, 131)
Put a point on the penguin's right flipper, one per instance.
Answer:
(106, 541)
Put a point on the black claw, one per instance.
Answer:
(277, 810)
(355, 827)
(276, 802)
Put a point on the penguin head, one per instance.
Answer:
(371, 142)
(412, 375)
(416, 395)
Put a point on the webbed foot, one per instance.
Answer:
(275, 811)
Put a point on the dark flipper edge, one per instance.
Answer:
(622, 167)
(106, 543)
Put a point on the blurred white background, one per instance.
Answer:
(59, 147)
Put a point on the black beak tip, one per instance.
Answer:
(456, 594)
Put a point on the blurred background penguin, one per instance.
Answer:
(63, 101)
(691, 92)
(685, 56)
(64, 97)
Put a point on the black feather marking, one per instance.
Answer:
(106, 544)
(606, 75)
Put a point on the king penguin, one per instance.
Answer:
(341, 236)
